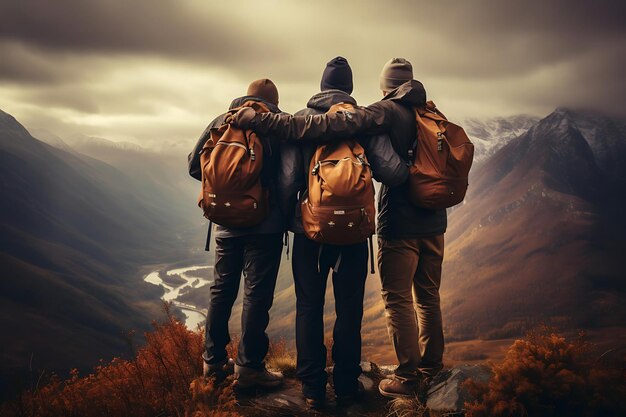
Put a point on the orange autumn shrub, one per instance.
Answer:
(162, 379)
(546, 375)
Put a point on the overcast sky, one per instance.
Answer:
(156, 72)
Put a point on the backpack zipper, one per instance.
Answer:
(318, 164)
(232, 144)
(250, 150)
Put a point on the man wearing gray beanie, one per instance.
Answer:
(410, 267)
(396, 72)
(411, 238)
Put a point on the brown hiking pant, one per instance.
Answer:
(410, 271)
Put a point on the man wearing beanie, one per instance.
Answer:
(256, 252)
(312, 262)
(410, 237)
(310, 279)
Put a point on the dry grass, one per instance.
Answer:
(405, 407)
(280, 358)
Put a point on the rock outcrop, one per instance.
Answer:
(447, 393)
(446, 396)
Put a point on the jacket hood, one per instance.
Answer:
(325, 99)
(411, 93)
(238, 102)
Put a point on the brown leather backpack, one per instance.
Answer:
(442, 161)
(339, 208)
(231, 160)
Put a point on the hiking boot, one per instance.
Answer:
(315, 403)
(246, 377)
(395, 388)
(219, 370)
(349, 398)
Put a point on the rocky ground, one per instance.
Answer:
(446, 396)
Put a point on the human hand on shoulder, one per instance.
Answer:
(243, 119)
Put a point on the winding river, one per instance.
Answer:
(179, 282)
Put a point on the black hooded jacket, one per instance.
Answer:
(274, 223)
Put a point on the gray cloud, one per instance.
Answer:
(139, 26)
(147, 70)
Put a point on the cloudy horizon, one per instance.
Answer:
(157, 75)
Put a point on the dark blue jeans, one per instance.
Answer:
(258, 257)
(349, 286)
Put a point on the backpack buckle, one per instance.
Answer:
(252, 154)
(316, 168)
(439, 141)
(411, 151)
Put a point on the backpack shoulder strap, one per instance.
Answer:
(371, 254)
(207, 245)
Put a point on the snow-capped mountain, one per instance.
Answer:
(491, 135)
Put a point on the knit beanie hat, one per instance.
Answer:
(396, 72)
(337, 75)
(265, 89)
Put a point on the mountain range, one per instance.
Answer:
(74, 233)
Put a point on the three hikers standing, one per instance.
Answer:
(410, 236)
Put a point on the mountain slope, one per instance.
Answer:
(157, 178)
(540, 236)
(73, 233)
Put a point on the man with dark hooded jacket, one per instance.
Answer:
(256, 252)
(410, 238)
(312, 262)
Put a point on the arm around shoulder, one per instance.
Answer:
(360, 120)
(387, 166)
